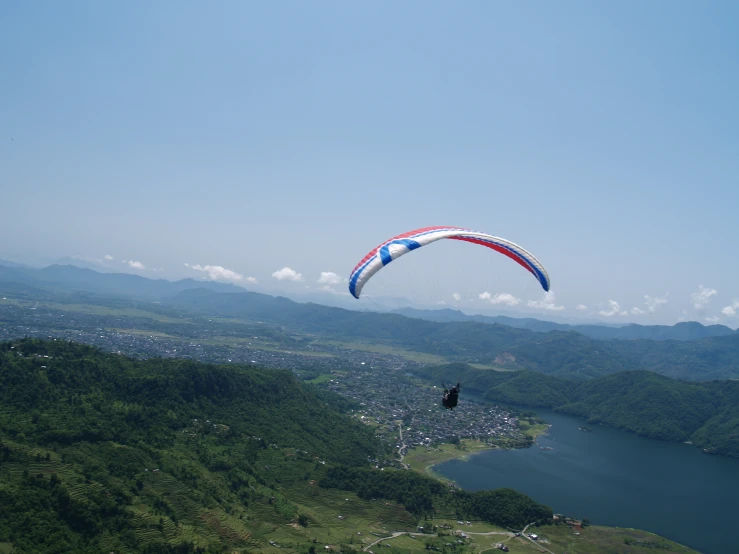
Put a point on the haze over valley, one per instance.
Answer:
(383, 278)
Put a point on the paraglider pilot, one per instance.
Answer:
(449, 400)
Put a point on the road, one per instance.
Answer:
(509, 534)
(537, 543)
(399, 533)
(396, 534)
(401, 449)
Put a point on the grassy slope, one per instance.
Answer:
(81, 438)
(423, 459)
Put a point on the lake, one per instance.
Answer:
(617, 479)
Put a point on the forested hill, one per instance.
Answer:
(561, 353)
(102, 453)
(642, 402)
(78, 393)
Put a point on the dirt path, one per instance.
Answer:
(537, 543)
(396, 534)
(401, 449)
(399, 533)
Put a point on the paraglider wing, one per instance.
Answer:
(394, 248)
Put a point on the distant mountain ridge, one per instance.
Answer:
(561, 353)
(72, 277)
(69, 277)
(555, 352)
(8, 263)
(688, 330)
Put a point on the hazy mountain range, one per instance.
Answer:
(74, 278)
(686, 351)
(689, 330)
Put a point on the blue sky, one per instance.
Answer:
(256, 136)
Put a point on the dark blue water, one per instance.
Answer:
(618, 479)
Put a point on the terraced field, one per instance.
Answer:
(165, 508)
(336, 518)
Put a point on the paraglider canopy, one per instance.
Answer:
(399, 245)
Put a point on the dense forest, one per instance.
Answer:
(642, 402)
(87, 440)
(100, 452)
(425, 496)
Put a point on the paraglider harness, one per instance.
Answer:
(451, 396)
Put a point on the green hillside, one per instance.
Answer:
(101, 453)
(642, 402)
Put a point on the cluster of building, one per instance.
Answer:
(146, 338)
(411, 414)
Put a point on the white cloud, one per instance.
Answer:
(134, 264)
(654, 302)
(581, 307)
(329, 288)
(500, 298)
(637, 311)
(731, 309)
(548, 302)
(712, 319)
(702, 297)
(328, 278)
(97, 261)
(217, 272)
(108, 257)
(251, 280)
(457, 297)
(287, 274)
(614, 309)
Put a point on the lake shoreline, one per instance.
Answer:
(599, 539)
(424, 459)
(603, 475)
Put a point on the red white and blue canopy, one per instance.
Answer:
(394, 248)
